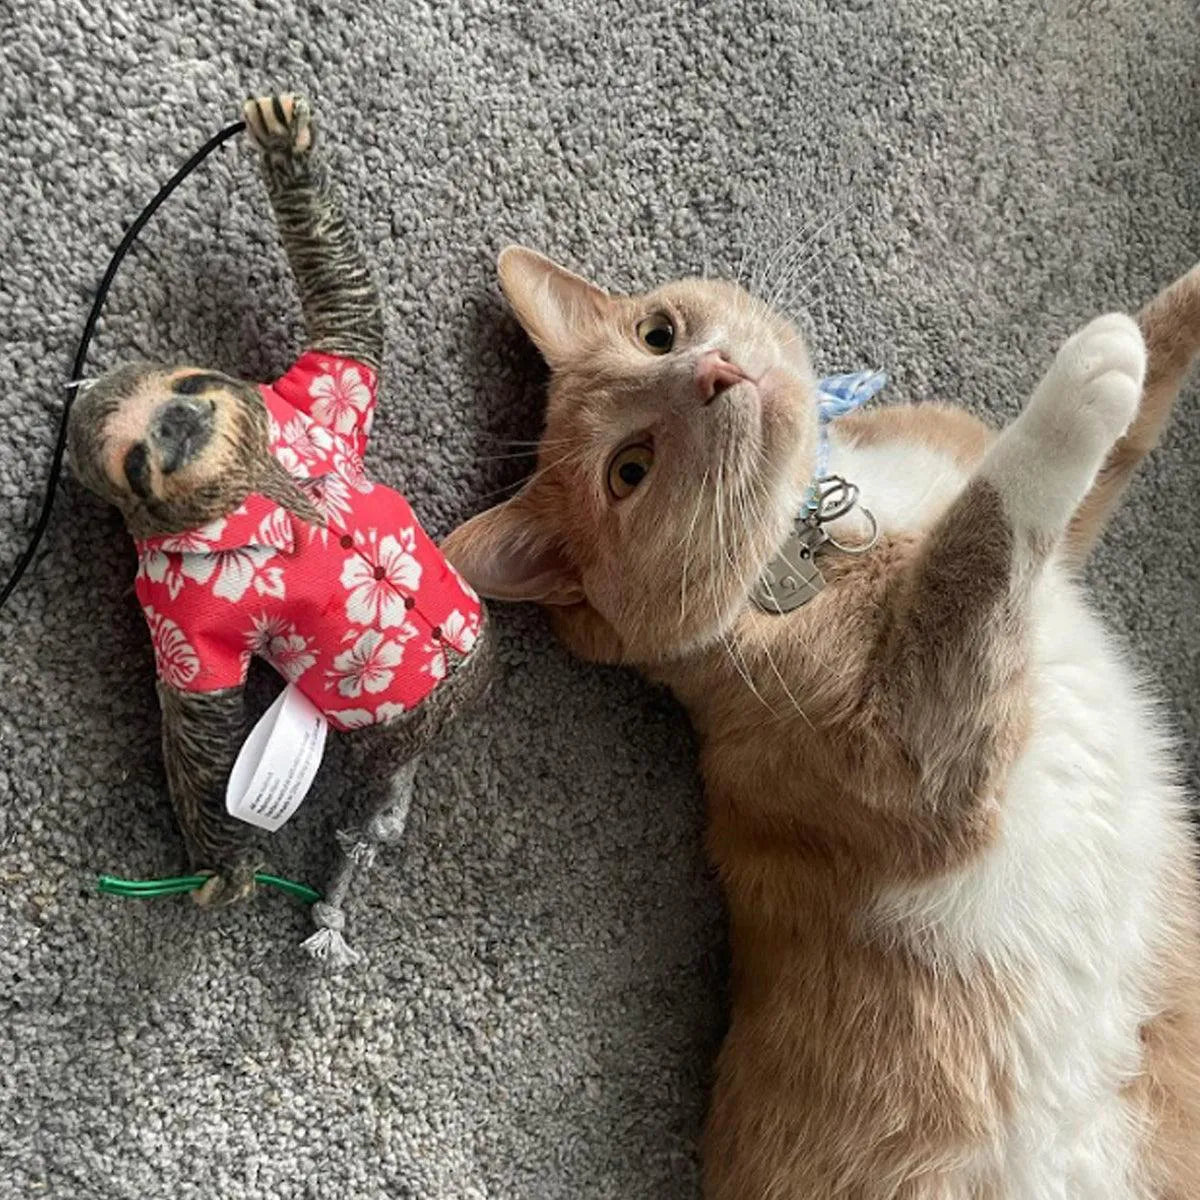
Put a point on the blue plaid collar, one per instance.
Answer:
(837, 395)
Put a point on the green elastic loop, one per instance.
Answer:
(300, 890)
(177, 885)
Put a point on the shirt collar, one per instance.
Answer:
(257, 522)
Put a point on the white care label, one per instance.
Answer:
(277, 762)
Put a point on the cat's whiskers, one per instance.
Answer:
(485, 458)
(729, 639)
(789, 244)
(722, 551)
(804, 254)
(779, 224)
(794, 302)
(790, 342)
(576, 455)
(744, 674)
(787, 691)
(533, 444)
(754, 497)
(689, 539)
(738, 275)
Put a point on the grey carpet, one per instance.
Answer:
(542, 1002)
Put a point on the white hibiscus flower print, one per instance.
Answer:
(277, 640)
(330, 496)
(360, 718)
(350, 467)
(468, 590)
(262, 629)
(206, 533)
(290, 461)
(156, 566)
(198, 567)
(377, 576)
(275, 529)
(239, 570)
(290, 656)
(340, 398)
(282, 451)
(195, 539)
(178, 663)
(157, 563)
(297, 435)
(461, 632)
(351, 718)
(297, 446)
(368, 666)
(435, 661)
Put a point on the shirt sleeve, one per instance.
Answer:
(339, 393)
(188, 655)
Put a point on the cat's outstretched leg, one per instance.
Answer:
(946, 689)
(1170, 324)
(342, 309)
(1046, 461)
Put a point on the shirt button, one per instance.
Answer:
(347, 541)
(436, 633)
(410, 601)
(380, 572)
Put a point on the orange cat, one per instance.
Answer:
(962, 896)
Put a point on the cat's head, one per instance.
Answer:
(681, 432)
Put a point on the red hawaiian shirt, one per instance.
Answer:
(357, 613)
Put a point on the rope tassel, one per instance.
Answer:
(328, 946)
(359, 848)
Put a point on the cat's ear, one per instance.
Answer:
(555, 306)
(509, 553)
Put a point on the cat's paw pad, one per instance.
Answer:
(1092, 390)
(280, 124)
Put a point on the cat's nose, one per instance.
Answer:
(714, 374)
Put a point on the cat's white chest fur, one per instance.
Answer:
(1064, 903)
(906, 485)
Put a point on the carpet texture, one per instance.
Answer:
(543, 997)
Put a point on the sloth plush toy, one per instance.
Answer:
(259, 533)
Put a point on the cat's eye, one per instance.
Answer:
(629, 466)
(656, 333)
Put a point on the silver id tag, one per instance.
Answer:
(791, 578)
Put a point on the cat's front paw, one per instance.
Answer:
(279, 125)
(1091, 392)
(1045, 462)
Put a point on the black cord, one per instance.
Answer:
(60, 446)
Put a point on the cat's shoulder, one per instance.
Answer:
(909, 461)
(942, 428)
